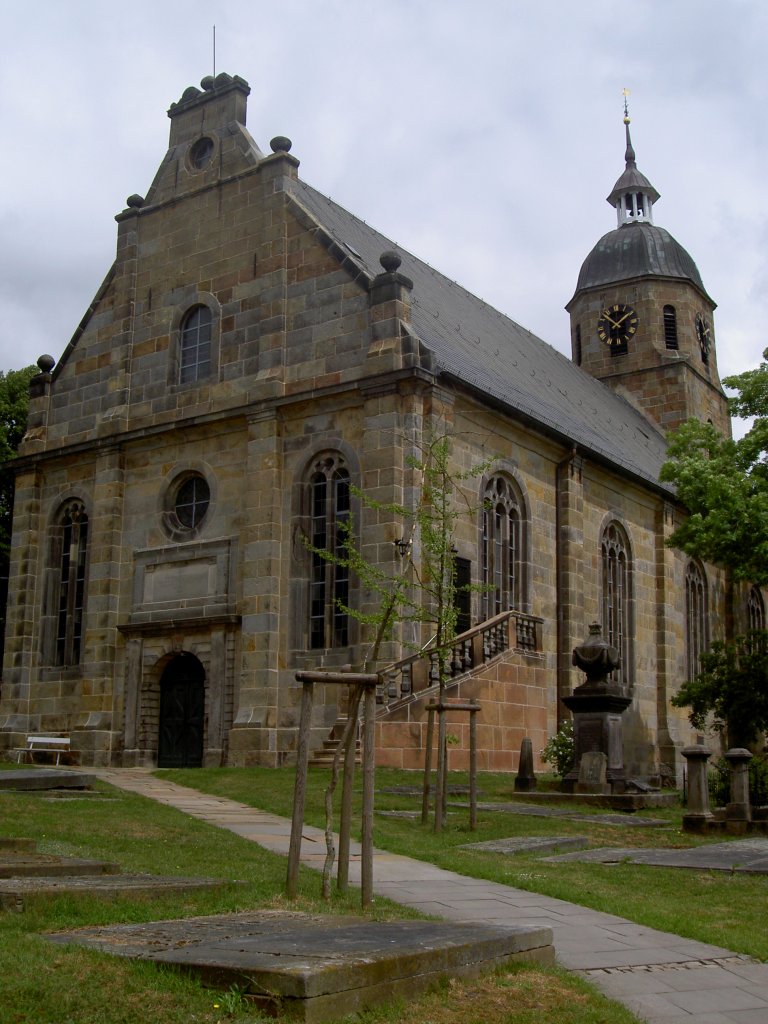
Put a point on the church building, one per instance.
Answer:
(256, 358)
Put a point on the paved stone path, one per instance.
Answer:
(662, 978)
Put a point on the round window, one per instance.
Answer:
(201, 152)
(192, 500)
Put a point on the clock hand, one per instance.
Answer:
(617, 322)
(606, 316)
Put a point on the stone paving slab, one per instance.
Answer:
(743, 856)
(593, 943)
(45, 778)
(528, 844)
(313, 967)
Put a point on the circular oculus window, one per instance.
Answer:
(192, 500)
(201, 153)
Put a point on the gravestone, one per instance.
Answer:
(593, 769)
(525, 780)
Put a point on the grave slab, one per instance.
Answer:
(529, 844)
(314, 968)
(16, 892)
(745, 856)
(44, 778)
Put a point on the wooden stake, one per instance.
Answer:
(369, 764)
(299, 792)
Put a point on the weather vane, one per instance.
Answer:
(214, 52)
(625, 93)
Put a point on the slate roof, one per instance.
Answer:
(637, 250)
(487, 351)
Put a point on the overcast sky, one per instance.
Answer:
(481, 136)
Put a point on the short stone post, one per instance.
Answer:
(738, 812)
(698, 815)
(525, 780)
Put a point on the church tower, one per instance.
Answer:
(641, 319)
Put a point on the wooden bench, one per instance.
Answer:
(48, 744)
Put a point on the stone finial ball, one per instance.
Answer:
(280, 144)
(134, 201)
(206, 83)
(390, 261)
(46, 363)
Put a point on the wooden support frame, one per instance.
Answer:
(472, 707)
(368, 683)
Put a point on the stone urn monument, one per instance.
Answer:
(597, 706)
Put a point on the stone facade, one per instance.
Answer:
(254, 351)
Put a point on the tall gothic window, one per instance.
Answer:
(195, 345)
(696, 618)
(502, 547)
(329, 508)
(617, 598)
(755, 610)
(63, 623)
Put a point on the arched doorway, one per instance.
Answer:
(182, 711)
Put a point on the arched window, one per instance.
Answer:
(329, 508)
(617, 598)
(755, 610)
(670, 327)
(502, 543)
(696, 618)
(195, 345)
(62, 624)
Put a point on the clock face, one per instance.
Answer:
(617, 324)
(704, 335)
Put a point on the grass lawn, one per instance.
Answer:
(715, 907)
(46, 984)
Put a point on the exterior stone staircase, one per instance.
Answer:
(406, 687)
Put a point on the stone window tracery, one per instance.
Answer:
(502, 547)
(617, 598)
(328, 494)
(696, 618)
(63, 621)
(755, 610)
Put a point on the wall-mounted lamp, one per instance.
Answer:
(403, 546)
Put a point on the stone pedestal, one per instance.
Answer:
(597, 706)
(738, 812)
(698, 816)
(597, 727)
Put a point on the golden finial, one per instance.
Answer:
(625, 93)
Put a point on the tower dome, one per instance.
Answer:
(641, 319)
(637, 249)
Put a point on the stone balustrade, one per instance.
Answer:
(475, 647)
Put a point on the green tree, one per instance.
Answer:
(724, 483)
(421, 590)
(732, 688)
